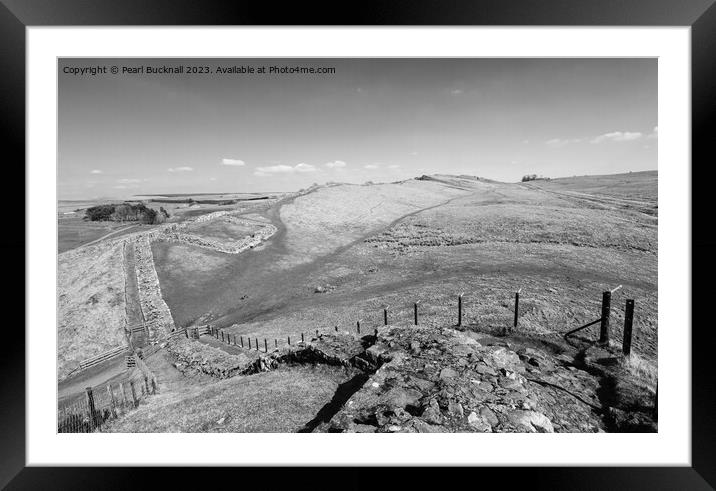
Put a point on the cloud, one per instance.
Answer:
(335, 164)
(234, 162)
(120, 187)
(617, 136)
(394, 166)
(305, 168)
(654, 133)
(283, 169)
(212, 178)
(556, 143)
(414, 153)
(95, 171)
(128, 181)
(181, 169)
(456, 91)
(371, 166)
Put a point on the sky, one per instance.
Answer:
(378, 120)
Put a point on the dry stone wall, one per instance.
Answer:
(156, 312)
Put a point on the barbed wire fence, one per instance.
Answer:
(223, 335)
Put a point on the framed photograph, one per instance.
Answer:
(421, 236)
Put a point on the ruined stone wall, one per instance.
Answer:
(156, 312)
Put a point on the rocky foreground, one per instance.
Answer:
(450, 381)
(421, 379)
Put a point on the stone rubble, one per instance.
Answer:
(446, 381)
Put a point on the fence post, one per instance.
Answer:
(415, 311)
(517, 307)
(241, 338)
(135, 402)
(154, 385)
(265, 346)
(289, 340)
(302, 337)
(628, 321)
(121, 391)
(249, 340)
(275, 342)
(358, 326)
(146, 384)
(459, 310)
(336, 328)
(257, 343)
(606, 310)
(92, 410)
(316, 333)
(112, 404)
(385, 316)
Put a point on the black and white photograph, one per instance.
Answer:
(357, 245)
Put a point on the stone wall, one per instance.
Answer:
(156, 312)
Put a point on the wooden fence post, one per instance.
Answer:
(628, 321)
(275, 342)
(385, 316)
(249, 340)
(302, 337)
(265, 346)
(336, 328)
(606, 310)
(146, 384)
(154, 385)
(316, 333)
(135, 402)
(124, 397)
(94, 420)
(358, 326)
(459, 309)
(517, 308)
(112, 404)
(257, 343)
(241, 338)
(415, 311)
(289, 340)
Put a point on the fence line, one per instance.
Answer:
(226, 337)
(105, 402)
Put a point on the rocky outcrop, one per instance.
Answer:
(190, 356)
(447, 381)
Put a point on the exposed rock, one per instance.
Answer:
(446, 381)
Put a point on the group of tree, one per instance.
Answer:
(126, 212)
(533, 177)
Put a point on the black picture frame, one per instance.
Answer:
(700, 15)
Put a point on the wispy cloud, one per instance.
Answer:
(456, 91)
(181, 169)
(284, 169)
(561, 142)
(371, 166)
(95, 171)
(393, 166)
(336, 164)
(234, 162)
(617, 136)
(128, 181)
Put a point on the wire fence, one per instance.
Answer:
(265, 344)
(90, 411)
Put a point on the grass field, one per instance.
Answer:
(344, 252)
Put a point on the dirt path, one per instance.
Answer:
(133, 307)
